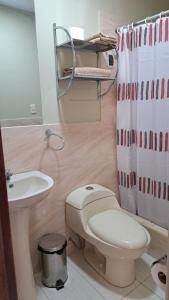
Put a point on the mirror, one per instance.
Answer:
(20, 96)
(23, 101)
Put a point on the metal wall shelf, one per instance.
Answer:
(89, 78)
(74, 45)
(85, 45)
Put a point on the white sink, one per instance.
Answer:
(24, 191)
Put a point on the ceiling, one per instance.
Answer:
(27, 5)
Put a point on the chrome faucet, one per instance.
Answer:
(8, 174)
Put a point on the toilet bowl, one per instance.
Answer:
(112, 239)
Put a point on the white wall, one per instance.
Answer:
(45, 13)
(83, 13)
(19, 72)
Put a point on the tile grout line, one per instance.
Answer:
(88, 282)
(41, 287)
(145, 288)
(132, 290)
(139, 283)
(152, 292)
(147, 278)
(44, 294)
(151, 289)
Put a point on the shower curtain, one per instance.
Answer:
(143, 120)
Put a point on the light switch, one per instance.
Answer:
(33, 109)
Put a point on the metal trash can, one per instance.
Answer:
(54, 261)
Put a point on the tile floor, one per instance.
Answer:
(84, 283)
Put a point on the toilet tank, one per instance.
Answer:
(86, 201)
(84, 195)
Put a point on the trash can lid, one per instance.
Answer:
(52, 242)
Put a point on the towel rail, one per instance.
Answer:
(48, 134)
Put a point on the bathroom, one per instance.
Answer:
(73, 140)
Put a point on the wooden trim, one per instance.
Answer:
(8, 289)
(167, 287)
(3, 279)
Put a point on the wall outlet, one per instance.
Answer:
(111, 60)
(33, 109)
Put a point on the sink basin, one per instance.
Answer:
(26, 189)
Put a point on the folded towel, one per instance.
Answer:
(101, 36)
(88, 71)
(103, 41)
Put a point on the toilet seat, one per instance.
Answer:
(118, 229)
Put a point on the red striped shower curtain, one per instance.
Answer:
(143, 120)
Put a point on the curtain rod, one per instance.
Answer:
(146, 20)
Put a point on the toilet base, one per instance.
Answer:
(118, 272)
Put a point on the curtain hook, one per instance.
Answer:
(146, 21)
(160, 14)
(119, 30)
(132, 26)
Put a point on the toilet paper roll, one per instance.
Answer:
(159, 274)
(77, 33)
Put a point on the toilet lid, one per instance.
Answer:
(117, 228)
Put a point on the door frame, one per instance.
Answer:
(8, 289)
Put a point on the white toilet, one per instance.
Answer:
(113, 240)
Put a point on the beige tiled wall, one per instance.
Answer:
(89, 156)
